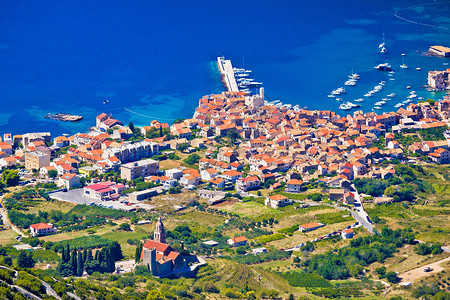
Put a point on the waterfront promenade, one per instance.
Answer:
(226, 70)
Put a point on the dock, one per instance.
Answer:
(227, 74)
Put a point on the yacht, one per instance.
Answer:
(344, 106)
(384, 67)
(399, 105)
(383, 50)
(418, 68)
(391, 78)
(354, 76)
(338, 91)
(350, 82)
(408, 86)
(359, 100)
(377, 107)
(369, 94)
(403, 65)
(392, 95)
(331, 96)
(338, 99)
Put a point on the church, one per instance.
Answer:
(161, 259)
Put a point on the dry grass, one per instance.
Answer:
(406, 259)
(169, 164)
(47, 206)
(7, 237)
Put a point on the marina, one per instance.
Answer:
(227, 74)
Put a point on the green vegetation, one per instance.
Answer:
(363, 252)
(424, 249)
(269, 238)
(308, 280)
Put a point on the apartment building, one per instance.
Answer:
(142, 168)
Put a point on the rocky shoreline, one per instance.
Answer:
(64, 117)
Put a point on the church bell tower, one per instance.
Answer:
(160, 233)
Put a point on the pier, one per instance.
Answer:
(227, 74)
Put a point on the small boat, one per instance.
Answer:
(408, 86)
(403, 65)
(331, 96)
(383, 50)
(377, 107)
(350, 82)
(106, 102)
(384, 67)
(354, 76)
(391, 78)
(359, 100)
(338, 99)
(392, 95)
(418, 68)
(344, 106)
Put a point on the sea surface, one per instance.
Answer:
(155, 59)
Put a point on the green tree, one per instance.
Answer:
(22, 260)
(391, 277)
(155, 295)
(80, 264)
(233, 135)
(10, 177)
(125, 227)
(52, 173)
(137, 255)
(182, 147)
(192, 159)
(131, 126)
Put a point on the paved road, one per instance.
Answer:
(361, 215)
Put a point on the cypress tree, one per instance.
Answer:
(110, 260)
(137, 255)
(96, 255)
(80, 265)
(67, 256)
(22, 260)
(84, 255)
(89, 255)
(73, 262)
(63, 255)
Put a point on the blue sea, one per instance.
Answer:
(155, 59)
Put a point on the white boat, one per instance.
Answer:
(384, 67)
(354, 76)
(418, 68)
(391, 78)
(399, 105)
(377, 107)
(350, 82)
(338, 91)
(368, 95)
(331, 96)
(359, 100)
(403, 65)
(338, 99)
(344, 106)
(381, 45)
(383, 50)
(408, 86)
(392, 95)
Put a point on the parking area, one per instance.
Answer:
(76, 196)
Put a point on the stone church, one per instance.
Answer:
(161, 259)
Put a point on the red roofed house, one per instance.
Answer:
(347, 233)
(294, 186)
(237, 241)
(349, 198)
(276, 201)
(161, 259)
(310, 226)
(69, 180)
(247, 183)
(42, 229)
(232, 175)
(103, 190)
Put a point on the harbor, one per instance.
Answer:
(227, 74)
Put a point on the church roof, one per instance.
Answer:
(160, 247)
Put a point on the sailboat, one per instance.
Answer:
(403, 66)
(382, 45)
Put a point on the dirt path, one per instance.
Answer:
(417, 273)
(7, 222)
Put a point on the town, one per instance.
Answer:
(255, 184)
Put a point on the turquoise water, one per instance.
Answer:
(157, 59)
